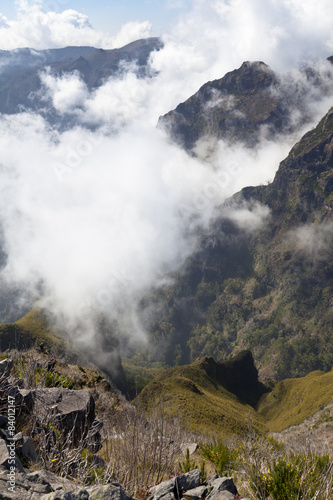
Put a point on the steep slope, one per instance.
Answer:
(204, 395)
(233, 107)
(210, 398)
(270, 290)
(35, 329)
(293, 400)
(245, 105)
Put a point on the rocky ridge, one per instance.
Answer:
(244, 106)
(267, 290)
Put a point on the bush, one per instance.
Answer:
(221, 455)
(288, 476)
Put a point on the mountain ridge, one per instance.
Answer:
(20, 82)
(268, 291)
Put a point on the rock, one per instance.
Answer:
(27, 450)
(25, 398)
(8, 457)
(72, 411)
(223, 495)
(55, 482)
(18, 437)
(51, 364)
(189, 481)
(3, 422)
(79, 494)
(36, 485)
(192, 448)
(169, 496)
(5, 367)
(162, 489)
(173, 488)
(108, 492)
(4, 434)
(196, 493)
(222, 484)
(94, 439)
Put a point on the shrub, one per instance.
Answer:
(221, 455)
(288, 476)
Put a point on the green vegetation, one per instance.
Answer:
(292, 476)
(292, 401)
(138, 375)
(198, 395)
(201, 395)
(31, 331)
(267, 290)
(224, 457)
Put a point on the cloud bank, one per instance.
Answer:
(92, 219)
(39, 28)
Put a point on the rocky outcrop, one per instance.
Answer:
(44, 485)
(189, 486)
(71, 411)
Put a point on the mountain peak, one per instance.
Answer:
(250, 76)
(232, 108)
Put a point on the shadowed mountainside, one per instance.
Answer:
(268, 290)
(245, 105)
(20, 81)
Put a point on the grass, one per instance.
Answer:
(138, 376)
(200, 401)
(208, 408)
(293, 400)
(34, 329)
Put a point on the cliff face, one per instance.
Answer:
(270, 291)
(244, 105)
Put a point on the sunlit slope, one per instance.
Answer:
(208, 396)
(31, 331)
(209, 405)
(293, 400)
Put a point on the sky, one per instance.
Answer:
(95, 215)
(110, 16)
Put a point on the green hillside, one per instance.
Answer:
(268, 290)
(198, 395)
(32, 330)
(293, 400)
(209, 398)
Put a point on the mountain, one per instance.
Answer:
(269, 290)
(34, 329)
(209, 397)
(214, 398)
(243, 106)
(20, 70)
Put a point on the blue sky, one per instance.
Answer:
(109, 16)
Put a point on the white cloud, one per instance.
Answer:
(41, 29)
(68, 92)
(97, 218)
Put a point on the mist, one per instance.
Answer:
(94, 216)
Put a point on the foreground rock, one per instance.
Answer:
(188, 486)
(71, 411)
(44, 485)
